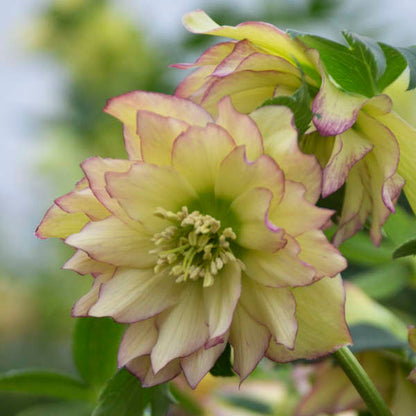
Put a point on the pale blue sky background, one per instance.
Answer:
(32, 87)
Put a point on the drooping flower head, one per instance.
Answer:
(200, 239)
(362, 145)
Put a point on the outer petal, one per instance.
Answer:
(146, 187)
(197, 155)
(406, 137)
(125, 107)
(197, 365)
(280, 269)
(295, 214)
(81, 263)
(323, 256)
(262, 34)
(83, 201)
(281, 143)
(220, 300)
(337, 109)
(83, 304)
(241, 128)
(249, 340)
(138, 340)
(255, 231)
(95, 169)
(237, 175)
(181, 340)
(247, 89)
(157, 135)
(142, 368)
(111, 241)
(58, 223)
(273, 308)
(321, 327)
(349, 148)
(136, 294)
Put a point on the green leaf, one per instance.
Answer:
(44, 383)
(95, 346)
(160, 400)
(123, 395)
(410, 55)
(223, 367)
(249, 404)
(299, 103)
(406, 249)
(57, 409)
(395, 65)
(368, 337)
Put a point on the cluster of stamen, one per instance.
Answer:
(193, 247)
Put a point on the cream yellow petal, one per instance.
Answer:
(81, 263)
(136, 294)
(179, 340)
(273, 308)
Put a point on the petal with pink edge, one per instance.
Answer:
(322, 328)
(254, 230)
(281, 269)
(157, 135)
(273, 308)
(336, 111)
(349, 148)
(197, 155)
(111, 241)
(136, 294)
(267, 36)
(125, 107)
(197, 365)
(220, 300)
(58, 223)
(83, 201)
(295, 214)
(142, 368)
(241, 128)
(317, 251)
(249, 341)
(237, 175)
(146, 187)
(280, 139)
(138, 339)
(83, 264)
(247, 89)
(83, 304)
(181, 340)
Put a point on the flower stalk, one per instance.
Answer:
(362, 383)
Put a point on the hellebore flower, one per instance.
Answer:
(200, 240)
(360, 142)
(331, 391)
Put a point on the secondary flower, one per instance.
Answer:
(200, 240)
(360, 142)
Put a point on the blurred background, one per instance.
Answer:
(60, 61)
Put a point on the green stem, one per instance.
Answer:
(361, 382)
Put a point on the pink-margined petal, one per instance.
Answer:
(83, 264)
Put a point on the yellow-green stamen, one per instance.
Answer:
(194, 247)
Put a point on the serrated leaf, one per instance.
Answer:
(57, 409)
(299, 103)
(123, 395)
(406, 249)
(395, 65)
(44, 383)
(223, 366)
(368, 337)
(95, 346)
(410, 55)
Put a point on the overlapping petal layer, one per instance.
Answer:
(200, 240)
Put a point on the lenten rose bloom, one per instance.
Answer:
(361, 143)
(199, 240)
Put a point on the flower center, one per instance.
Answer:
(193, 247)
